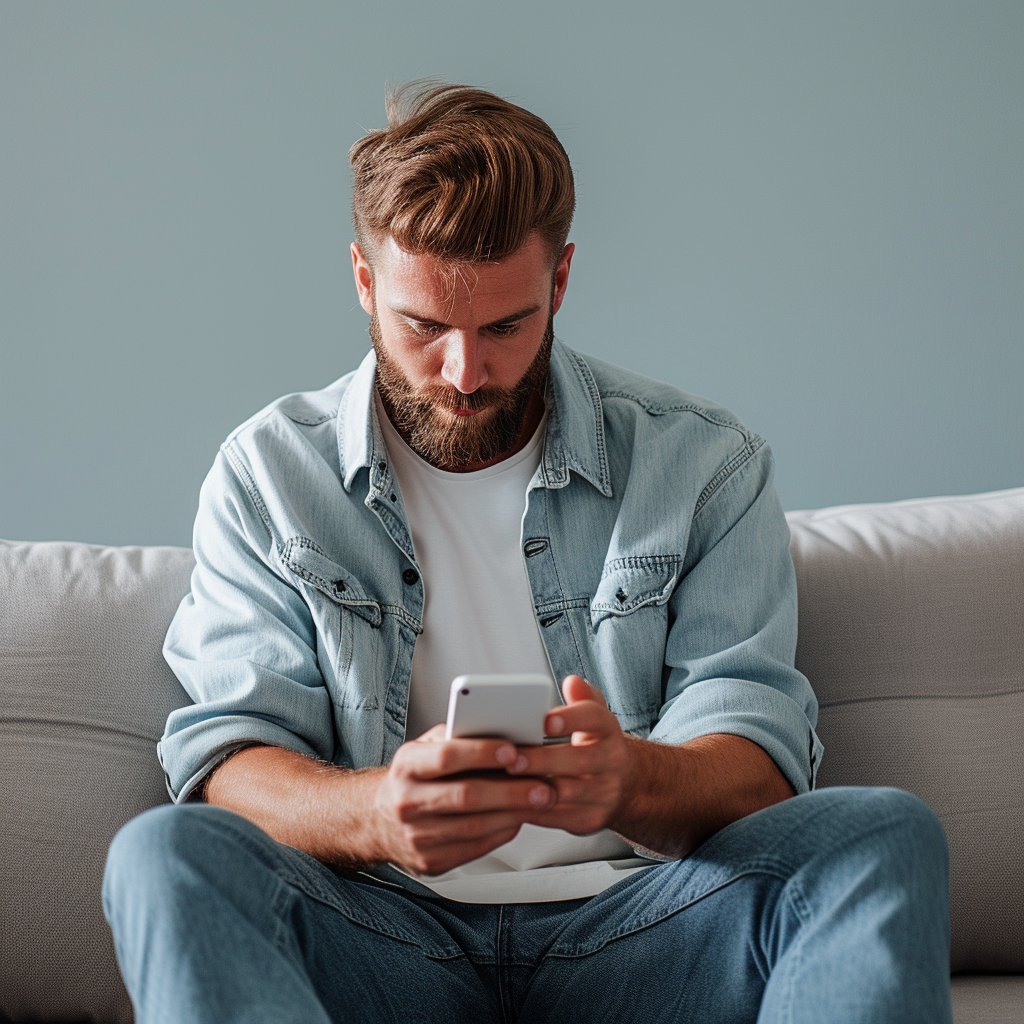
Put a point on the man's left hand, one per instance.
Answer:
(661, 796)
(591, 773)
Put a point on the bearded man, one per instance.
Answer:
(479, 498)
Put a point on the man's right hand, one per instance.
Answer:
(445, 802)
(439, 804)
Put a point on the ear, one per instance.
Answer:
(364, 278)
(562, 277)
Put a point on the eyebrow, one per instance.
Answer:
(520, 314)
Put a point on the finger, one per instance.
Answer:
(583, 716)
(433, 734)
(562, 759)
(601, 790)
(468, 828)
(575, 688)
(474, 796)
(579, 819)
(445, 857)
(434, 759)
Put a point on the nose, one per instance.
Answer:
(463, 366)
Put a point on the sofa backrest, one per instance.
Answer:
(911, 630)
(912, 634)
(84, 693)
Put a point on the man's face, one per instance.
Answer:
(462, 352)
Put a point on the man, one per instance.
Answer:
(477, 497)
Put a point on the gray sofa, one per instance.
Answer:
(911, 630)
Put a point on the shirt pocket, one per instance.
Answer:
(637, 581)
(347, 619)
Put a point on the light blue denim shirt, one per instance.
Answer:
(654, 542)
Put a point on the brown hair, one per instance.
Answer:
(461, 174)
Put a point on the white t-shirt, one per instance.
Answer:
(479, 618)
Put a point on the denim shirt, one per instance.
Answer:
(654, 542)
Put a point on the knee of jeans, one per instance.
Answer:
(150, 845)
(906, 824)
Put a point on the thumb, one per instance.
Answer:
(576, 688)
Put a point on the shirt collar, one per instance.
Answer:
(574, 439)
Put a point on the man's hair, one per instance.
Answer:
(460, 174)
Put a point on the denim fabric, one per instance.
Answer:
(654, 542)
(831, 906)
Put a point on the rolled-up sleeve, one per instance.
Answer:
(242, 642)
(732, 640)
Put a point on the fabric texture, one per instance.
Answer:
(988, 999)
(84, 694)
(912, 634)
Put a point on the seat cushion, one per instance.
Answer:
(84, 693)
(988, 999)
(912, 634)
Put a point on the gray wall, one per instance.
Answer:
(811, 212)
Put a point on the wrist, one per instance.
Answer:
(353, 833)
(638, 776)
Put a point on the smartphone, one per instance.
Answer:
(510, 707)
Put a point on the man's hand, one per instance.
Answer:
(590, 774)
(442, 802)
(665, 798)
(432, 816)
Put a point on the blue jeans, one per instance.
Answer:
(829, 907)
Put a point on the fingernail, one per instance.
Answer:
(520, 765)
(505, 755)
(539, 796)
(556, 725)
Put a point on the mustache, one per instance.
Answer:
(453, 400)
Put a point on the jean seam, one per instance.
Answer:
(640, 925)
(326, 899)
(587, 376)
(502, 981)
(243, 474)
(289, 877)
(796, 900)
(740, 459)
(561, 589)
(278, 906)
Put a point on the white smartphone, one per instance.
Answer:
(511, 707)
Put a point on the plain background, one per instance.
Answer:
(811, 212)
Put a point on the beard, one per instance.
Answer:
(422, 415)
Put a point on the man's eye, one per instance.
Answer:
(427, 330)
(505, 330)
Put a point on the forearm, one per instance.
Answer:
(319, 808)
(675, 797)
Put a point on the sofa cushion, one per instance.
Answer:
(84, 693)
(988, 999)
(912, 635)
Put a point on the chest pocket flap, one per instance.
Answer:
(309, 563)
(635, 582)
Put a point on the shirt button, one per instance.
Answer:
(410, 576)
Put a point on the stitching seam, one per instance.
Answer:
(746, 453)
(249, 484)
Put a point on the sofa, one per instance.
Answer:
(911, 631)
